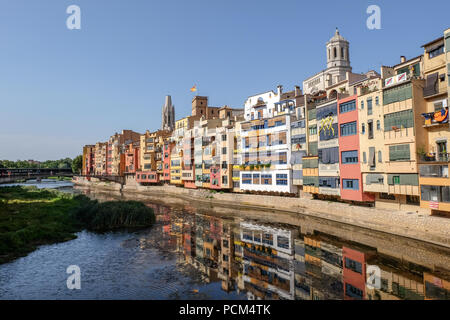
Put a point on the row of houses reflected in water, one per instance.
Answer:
(268, 261)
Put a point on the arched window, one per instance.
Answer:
(342, 53)
(335, 52)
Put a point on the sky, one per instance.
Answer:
(61, 89)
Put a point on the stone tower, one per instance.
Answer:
(338, 52)
(168, 115)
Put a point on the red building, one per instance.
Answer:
(354, 272)
(349, 151)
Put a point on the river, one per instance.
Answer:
(202, 252)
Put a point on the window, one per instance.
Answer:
(364, 157)
(369, 106)
(398, 120)
(348, 129)
(349, 157)
(282, 179)
(350, 184)
(256, 178)
(363, 128)
(224, 150)
(399, 152)
(362, 104)
(398, 93)
(387, 196)
(224, 179)
(347, 106)
(380, 159)
(283, 242)
(266, 179)
(353, 265)
(353, 292)
(268, 239)
(246, 178)
(224, 137)
(436, 52)
(396, 180)
(377, 101)
(370, 129)
(313, 130)
(147, 166)
(378, 125)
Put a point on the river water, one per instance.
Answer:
(197, 251)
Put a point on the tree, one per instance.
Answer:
(77, 163)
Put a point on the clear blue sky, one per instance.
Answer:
(61, 89)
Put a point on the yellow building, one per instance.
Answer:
(371, 143)
(434, 155)
(402, 105)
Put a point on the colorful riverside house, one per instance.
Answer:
(403, 105)
(176, 163)
(434, 155)
(349, 150)
(116, 148)
(371, 154)
(266, 153)
(328, 147)
(88, 165)
(298, 133)
(237, 159)
(101, 158)
(167, 150)
(310, 162)
(188, 174)
(266, 144)
(109, 158)
(132, 158)
(151, 163)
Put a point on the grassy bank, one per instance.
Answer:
(30, 217)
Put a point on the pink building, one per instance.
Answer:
(349, 151)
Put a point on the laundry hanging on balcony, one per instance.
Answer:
(441, 116)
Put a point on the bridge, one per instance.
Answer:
(14, 175)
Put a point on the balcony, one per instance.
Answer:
(433, 119)
(435, 157)
(433, 171)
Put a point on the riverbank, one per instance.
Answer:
(30, 217)
(413, 225)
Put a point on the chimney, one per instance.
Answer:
(402, 59)
(298, 92)
(279, 89)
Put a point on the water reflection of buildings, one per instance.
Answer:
(279, 262)
(268, 255)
